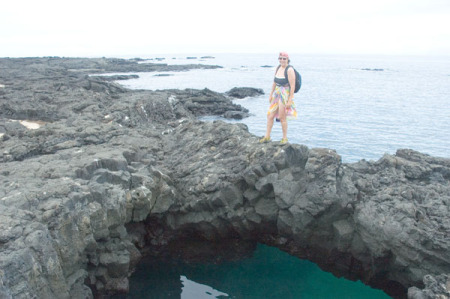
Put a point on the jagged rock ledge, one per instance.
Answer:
(112, 174)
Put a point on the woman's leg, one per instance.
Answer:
(282, 117)
(270, 118)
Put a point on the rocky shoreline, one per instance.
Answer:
(108, 174)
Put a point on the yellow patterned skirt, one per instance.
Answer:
(281, 95)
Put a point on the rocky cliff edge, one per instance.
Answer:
(106, 173)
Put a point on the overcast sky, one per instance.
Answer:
(139, 28)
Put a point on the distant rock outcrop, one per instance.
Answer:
(373, 70)
(112, 174)
(244, 92)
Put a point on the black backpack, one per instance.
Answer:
(298, 77)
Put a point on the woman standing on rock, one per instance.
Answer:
(281, 98)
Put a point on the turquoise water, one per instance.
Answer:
(269, 273)
(361, 106)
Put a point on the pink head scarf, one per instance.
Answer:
(284, 54)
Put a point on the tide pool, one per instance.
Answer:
(268, 273)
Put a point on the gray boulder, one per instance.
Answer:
(244, 92)
(435, 287)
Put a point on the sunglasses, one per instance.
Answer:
(282, 58)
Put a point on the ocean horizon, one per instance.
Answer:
(362, 106)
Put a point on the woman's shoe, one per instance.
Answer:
(284, 141)
(264, 140)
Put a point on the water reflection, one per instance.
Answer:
(193, 290)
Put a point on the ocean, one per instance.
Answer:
(361, 106)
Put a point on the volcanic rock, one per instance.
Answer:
(244, 92)
(111, 174)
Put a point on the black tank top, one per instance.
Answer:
(281, 81)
